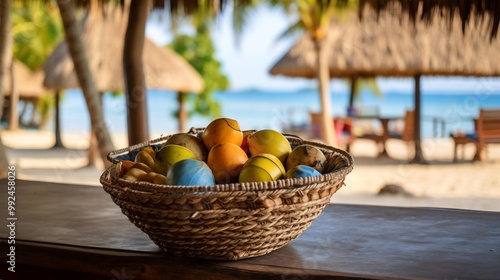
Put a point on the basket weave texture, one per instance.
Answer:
(226, 221)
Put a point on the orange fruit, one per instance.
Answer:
(222, 130)
(226, 160)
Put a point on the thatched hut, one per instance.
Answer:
(102, 33)
(387, 45)
(28, 87)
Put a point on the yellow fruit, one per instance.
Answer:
(135, 173)
(222, 130)
(306, 155)
(146, 158)
(191, 142)
(160, 179)
(170, 154)
(149, 177)
(269, 141)
(141, 166)
(226, 160)
(262, 168)
(149, 150)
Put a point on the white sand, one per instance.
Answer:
(441, 183)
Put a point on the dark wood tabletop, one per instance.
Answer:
(77, 232)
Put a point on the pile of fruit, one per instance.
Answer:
(223, 153)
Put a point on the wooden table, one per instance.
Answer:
(382, 139)
(76, 232)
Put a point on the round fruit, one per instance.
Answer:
(306, 154)
(146, 158)
(135, 174)
(262, 168)
(191, 142)
(190, 172)
(170, 154)
(222, 130)
(226, 160)
(269, 141)
(244, 143)
(149, 150)
(300, 171)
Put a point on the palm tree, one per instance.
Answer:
(5, 57)
(314, 18)
(36, 29)
(358, 84)
(92, 97)
(199, 51)
(135, 84)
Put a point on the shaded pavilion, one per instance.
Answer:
(102, 31)
(388, 45)
(27, 86)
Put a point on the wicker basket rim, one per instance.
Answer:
(228, 187)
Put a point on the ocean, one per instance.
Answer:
(257, 109)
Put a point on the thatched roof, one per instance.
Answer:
(392, 46)
(476, 12)
(28, 84)
(103, 35)
(417, 10)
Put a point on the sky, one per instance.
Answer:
(247, 63)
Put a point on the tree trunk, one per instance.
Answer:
(57, 122)
(14, 100)
(323, 75)
(5, 57)
(80, 61)
(135, 85)
(182, 113)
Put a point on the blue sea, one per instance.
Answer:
(257, 109)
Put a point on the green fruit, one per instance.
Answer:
(170, 154)
(306, 154)
(269, 141)
(191, 142)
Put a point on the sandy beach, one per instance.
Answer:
(440, 183)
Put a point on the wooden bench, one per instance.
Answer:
(487, 131)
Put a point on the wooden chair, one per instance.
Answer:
(407, 133)
(487, 131)
(461, 139)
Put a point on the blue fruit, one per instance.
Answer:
(300, 171)
(190, 172)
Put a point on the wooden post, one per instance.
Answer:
(419, 156)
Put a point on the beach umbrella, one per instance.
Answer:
(102, 33)
(388, 44)
(28, 86)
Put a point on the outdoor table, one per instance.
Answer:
(65, 231)
(384, 122)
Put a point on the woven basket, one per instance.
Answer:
(226, 221)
